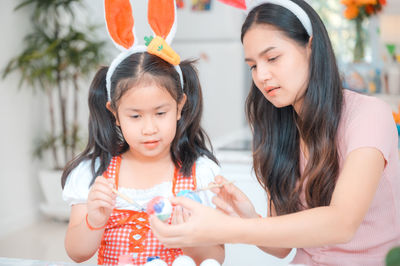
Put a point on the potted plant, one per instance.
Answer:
(393, 257)
(59, 54)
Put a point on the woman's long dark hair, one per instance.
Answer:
(277, 131)
(105, 138)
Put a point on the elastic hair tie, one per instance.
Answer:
(91, 227)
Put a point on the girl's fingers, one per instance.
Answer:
(97, 204)
(105, 181)
(101, 196)
(101, 189)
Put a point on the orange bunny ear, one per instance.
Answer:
(161, 17)
(120, 22)
(235, 3)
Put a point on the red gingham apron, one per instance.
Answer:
(128, 232)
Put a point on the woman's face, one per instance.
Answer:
(279, 65)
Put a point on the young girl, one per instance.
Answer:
(327, 157)
(145, 140)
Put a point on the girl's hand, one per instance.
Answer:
(204, 226)
(101, 201)
(232, 201)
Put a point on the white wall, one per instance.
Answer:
(20, 119)
(392, 7)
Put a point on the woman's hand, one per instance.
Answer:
(232, 201)
(180, 215)
(101, 202)
(204, 226)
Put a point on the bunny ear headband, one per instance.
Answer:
(249, 5)
(120, 25)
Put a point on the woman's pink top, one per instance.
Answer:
(366, 122)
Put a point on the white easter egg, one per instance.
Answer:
(156, 262)
(210, 262)
(183, 261)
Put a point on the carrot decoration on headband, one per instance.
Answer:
(120, 26)
(159, 47)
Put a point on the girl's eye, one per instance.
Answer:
(135, 116)
(252, 67)
(161, 113)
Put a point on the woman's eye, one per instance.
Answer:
(135, 116)
(273, 59)
(161, 113)
(252, 67)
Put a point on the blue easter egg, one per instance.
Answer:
(189, 194)
(152, 258)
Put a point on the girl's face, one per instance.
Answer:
(148, 118)
(279, 65)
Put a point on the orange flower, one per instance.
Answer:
(362, 8)
(369, 9)
(348, 2)
(351, 12)
(396, 117)
(366, 2)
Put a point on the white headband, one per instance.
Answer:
(121, 57)
(290, 5)
(120, 26)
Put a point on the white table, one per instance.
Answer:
(27, 262)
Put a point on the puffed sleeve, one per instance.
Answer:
(206, 170)
(371, 124)
(76, 188)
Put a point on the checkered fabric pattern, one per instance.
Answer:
(128, 232)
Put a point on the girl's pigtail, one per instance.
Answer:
(191, 140)
(103, 133)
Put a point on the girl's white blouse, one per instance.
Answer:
(77, 188)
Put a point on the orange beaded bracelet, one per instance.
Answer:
(91, 227)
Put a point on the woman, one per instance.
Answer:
(327, 157)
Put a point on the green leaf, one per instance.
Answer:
(391, 49)
(393, 257)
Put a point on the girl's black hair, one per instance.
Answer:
(277, 131)
(105, 138)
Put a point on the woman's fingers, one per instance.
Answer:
(227, 188)
(219, 179)
(186, 215)
(223, 206)
(163, 229)
(172, 236)
(185, 203)
(177, 217)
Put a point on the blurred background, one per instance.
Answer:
(51, 50)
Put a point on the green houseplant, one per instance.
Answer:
(59, 54)
(393, 257)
